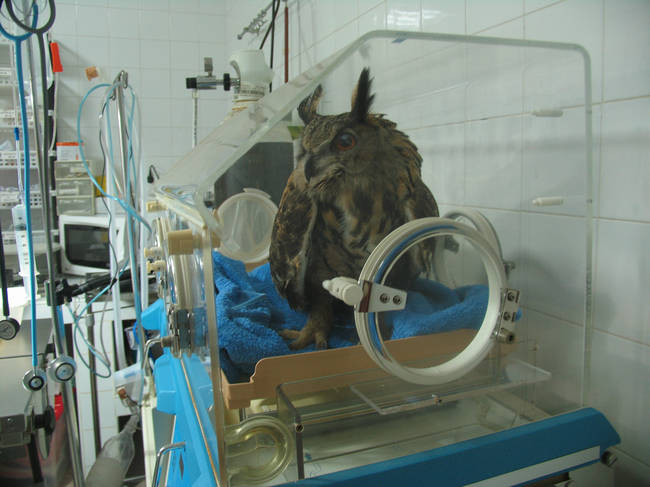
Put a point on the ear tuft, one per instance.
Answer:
(309, 106)
(361, 98)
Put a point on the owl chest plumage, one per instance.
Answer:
(348, 228)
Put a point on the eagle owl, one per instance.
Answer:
(357, 179)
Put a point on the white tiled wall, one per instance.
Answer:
(162, 42)
(159, 43)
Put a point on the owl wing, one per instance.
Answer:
(290, 249)
(422, 204)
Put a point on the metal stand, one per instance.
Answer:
(121, 83)
(59, 334)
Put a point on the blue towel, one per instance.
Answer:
(250, 312)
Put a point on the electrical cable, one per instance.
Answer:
(127, 207)
(131, 173)
(33, 29)
(28, 217)
(77, 316)
(275, 12)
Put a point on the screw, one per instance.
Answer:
(384, 298)
(507, 316)
(511, 296)
(397, 300)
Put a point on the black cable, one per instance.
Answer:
(39, 30)
(3, 276)
(275, 13)
(268, 31)
(153, 172)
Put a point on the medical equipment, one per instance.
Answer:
(8, 326)
(85, 243)
(35, 378)
(455, 355)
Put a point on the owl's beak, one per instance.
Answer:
(309, 169)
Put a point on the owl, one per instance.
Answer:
(358, 178)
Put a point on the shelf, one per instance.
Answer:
(8, 159)
(390, 395)
(39, 248)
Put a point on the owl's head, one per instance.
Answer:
(355, 147)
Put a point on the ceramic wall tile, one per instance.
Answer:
(493, 160)
(558, 350)
(443, 166)
(555, 154)
(403, 15)
(123, 23)
(620, 386)
(156, 83)
(554, 265)
(626, 64)
(124, 53)
(373, 19)
(154, 54)
(92, 21)
(66, 20)
(574, 21)
(622, 280)
(444, 16)
(481, 15)
(154, 24)
(625, 164)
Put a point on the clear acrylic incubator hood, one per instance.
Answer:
(463, 351)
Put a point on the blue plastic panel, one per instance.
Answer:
(487, 456)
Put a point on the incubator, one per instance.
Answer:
(444, 377)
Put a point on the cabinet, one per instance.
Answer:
(11, 163)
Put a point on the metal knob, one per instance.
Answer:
(34, 380)
(9, 328)
(62, 369)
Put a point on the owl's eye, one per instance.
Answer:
(345, 141)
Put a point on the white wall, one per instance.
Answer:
(617, 35)
(161, 42)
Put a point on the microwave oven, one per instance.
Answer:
(85, 245)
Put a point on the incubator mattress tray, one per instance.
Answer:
(339, 367)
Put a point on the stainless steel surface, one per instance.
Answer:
(195, 116)
(122, 84)
(90, 328)
(164, 450)
(16, 356)
(215, 366)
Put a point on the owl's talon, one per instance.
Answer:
(303, 338)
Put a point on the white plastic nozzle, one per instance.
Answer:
(548, 201)
(156, 266)
(344, 288)
(153, 252)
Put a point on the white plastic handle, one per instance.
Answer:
(346, 289)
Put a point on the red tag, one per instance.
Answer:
(56, 58)
(58, 406)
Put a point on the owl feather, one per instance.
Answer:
(357, 179)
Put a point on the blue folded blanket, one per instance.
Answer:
(250, 312)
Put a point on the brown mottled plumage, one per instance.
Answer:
(357, 179)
